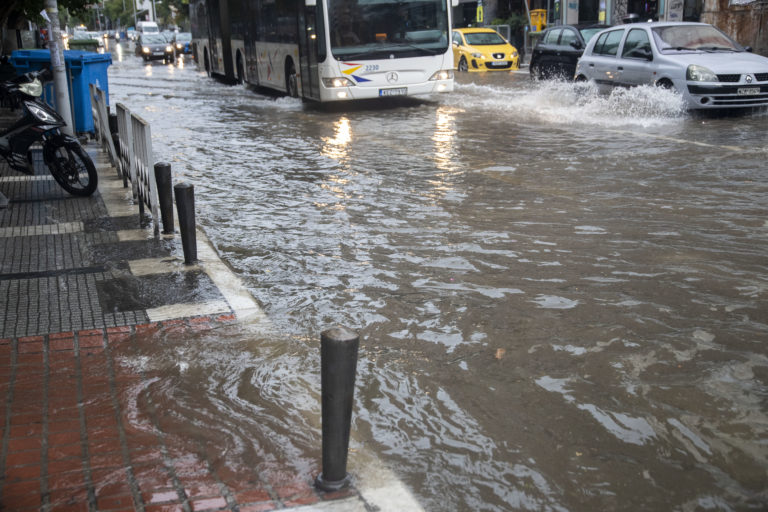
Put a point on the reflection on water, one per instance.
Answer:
(561, 294)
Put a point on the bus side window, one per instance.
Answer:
(320, 28)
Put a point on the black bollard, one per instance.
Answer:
(113, 123)
(338, 363)
(185, 205)
(165, 195)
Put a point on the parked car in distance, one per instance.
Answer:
(154, 46)
(558, 50)
(182, 42)
(483, 49)
(709, 69)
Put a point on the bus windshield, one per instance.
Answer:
(377, 29)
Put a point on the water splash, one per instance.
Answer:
(566, 103)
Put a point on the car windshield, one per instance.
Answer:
(483, 38)
(183, 36)
(693, 38)
(374, 29)
(153, 39)
(589, 33)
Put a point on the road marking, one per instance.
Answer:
(697, 143)
(172, 311)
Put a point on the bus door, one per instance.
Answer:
(308, 41)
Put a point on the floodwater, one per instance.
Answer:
(562, 297)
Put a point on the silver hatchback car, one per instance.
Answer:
(700, 62)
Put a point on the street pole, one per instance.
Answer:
(58, 66)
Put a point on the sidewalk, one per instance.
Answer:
(82, 284)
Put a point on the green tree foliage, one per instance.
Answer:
(30, 9)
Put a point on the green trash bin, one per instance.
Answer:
(83, 69)
(86, 45)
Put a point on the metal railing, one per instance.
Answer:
(124, 145)
(134, 161)
(101, 122)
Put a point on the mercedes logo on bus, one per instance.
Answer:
(392, 77)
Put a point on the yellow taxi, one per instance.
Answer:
(483, 49)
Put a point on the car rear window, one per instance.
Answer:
(608, 43)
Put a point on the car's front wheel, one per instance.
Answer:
(463, 65)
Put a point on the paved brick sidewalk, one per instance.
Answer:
(70, 439)
(81, 284)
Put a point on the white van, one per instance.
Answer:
(147, 27)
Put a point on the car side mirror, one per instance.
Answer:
(748, 48)
(645, 53)
(576, 44)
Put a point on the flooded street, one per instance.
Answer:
(562, 297)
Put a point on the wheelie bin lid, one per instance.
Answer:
(23, 60)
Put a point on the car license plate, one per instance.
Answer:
(748, 91)
(399, 91)
(498, 63)
(157, 53)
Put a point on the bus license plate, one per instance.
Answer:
(399, 91)
(748, 91)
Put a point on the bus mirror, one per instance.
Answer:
(310, 3)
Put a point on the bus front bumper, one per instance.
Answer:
(359, 92)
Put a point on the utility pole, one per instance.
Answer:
(58, 66)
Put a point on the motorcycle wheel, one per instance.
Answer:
(72, 168)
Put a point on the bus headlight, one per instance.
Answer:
(337, 81)
(443, 74)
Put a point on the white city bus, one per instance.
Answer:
(327, 50)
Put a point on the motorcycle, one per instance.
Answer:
(66, 160)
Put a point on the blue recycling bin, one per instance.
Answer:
(83, 68)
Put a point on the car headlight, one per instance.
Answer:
(168, 49)
(443, 74)
(178, 46)
(338, 81)
(478, 55)
(696, 73)
(513, 55)
(145, 49)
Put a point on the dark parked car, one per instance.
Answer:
(182, 42)
(154, 46)
(559, 48)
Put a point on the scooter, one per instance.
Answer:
(69, 164)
